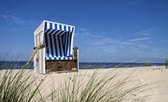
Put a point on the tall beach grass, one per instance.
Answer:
(98, 88)
(19, 86)
(24, 86)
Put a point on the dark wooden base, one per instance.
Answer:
(61, 65)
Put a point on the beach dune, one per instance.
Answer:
(156, 78)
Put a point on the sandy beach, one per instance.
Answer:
(155, 76)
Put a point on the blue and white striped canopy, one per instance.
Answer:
(58, 41)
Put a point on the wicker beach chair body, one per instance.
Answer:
(57, 52)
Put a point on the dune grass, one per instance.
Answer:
(22, 86)
(19, 86)
(98, 88)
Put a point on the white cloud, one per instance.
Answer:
(143, 33)
(140, 39)
(3, 16)
(109, 43)
(104, 41)
(112, 49)
(88, 34)
(17, 19)
(13, 19)
(83, 29)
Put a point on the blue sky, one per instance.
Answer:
(106, 30)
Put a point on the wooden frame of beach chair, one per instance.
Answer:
(57, 53)
(63, 65)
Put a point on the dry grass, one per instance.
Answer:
(97, 88)
(23, 86)
(19, 86)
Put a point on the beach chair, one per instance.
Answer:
(56, 52)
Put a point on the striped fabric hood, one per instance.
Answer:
(58, 40)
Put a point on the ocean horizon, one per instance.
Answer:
(82, 65)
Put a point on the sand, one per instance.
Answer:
(156, 76)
